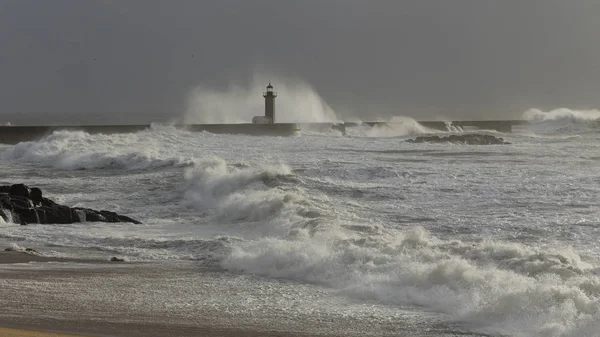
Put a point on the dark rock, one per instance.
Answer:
(124, 218)
(467, 139)
(26, 250)
(116, 259)
(19, 190)
(27, 205)
(31, 251)
(36, 196)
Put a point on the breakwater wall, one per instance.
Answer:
(500, 126)
(16, 134)
(497, 125)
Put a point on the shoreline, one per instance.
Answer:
(20, 257)
(69, 297)
(107, 329)
(23, 267)
(15, 332)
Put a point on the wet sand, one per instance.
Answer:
(111, 299)
(132, 330)
(11, 257)
(29, 313)
(7, 332)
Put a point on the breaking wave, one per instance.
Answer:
(497, 287)
(575, 116)
(268, 200)
(562, 121)
(395, 127)
(78, 150)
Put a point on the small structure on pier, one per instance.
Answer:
(269, 117)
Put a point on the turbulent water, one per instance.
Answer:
(499, 239)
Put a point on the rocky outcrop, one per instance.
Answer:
(468, 139)
(27, 205)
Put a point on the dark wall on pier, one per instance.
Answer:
(16, 134)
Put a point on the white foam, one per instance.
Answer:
(505, 288)
(562, 114)
(245, 194)
(398, 126)
(10, 217)
(76, 150)
(211, 180)
(15, 247)
(453, 128)
(561, 121)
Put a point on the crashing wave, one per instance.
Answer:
(78, 150)
(511, 288)
(266, 196)
(562, 121)
(574, 116)
(395, 127)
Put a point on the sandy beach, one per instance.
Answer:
(53, 297)
(11, 257)
(64, 269)
(7, 332)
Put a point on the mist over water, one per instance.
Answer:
(296, 102)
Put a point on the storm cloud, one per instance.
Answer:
(138, 61)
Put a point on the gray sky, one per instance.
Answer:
(130, 61)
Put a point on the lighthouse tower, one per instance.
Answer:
(269, 96)
(269, 117)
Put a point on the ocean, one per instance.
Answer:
(363, 234)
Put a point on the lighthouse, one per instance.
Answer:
(269, 117)
(269, 96)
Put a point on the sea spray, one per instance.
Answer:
(296, 102)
